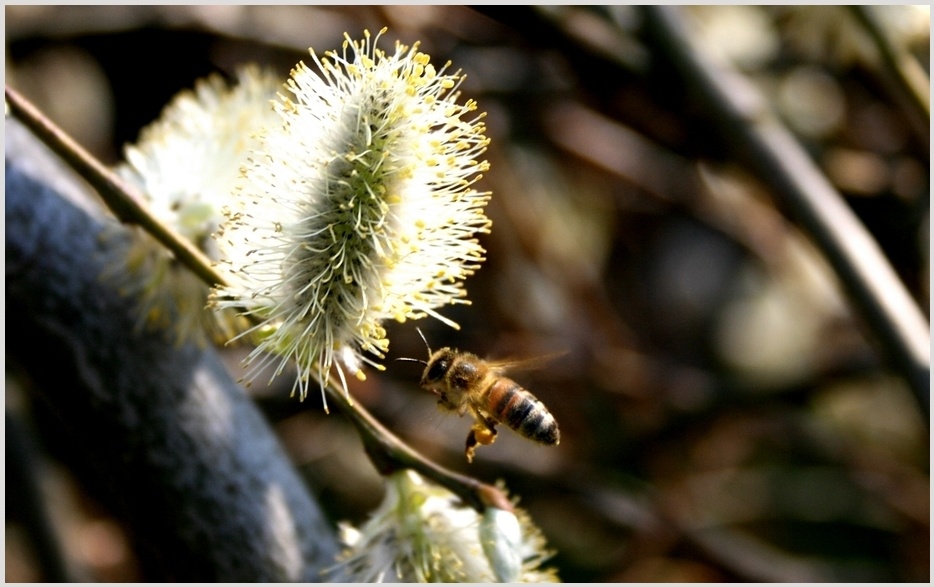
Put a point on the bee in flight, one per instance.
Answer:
(466, 383)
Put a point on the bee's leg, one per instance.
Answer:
(478, 435)
(471, 445)
(483, 431)
(490, 425)
(482, 434)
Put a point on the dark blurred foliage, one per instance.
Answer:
(724, 414)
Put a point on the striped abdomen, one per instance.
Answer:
(517, 408)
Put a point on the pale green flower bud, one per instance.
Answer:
(186, 165)
(424, 533)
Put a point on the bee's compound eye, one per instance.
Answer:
(437, 369)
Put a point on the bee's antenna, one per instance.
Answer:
(408, 360)
(419, 330)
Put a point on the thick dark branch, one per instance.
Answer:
(193, 468)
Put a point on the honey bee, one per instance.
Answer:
(466, 383)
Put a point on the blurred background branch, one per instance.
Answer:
(757, 138)
(905, 78)
(25, 503)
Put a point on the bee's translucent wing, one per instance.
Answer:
(502, 366)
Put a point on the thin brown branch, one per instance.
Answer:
(122, 199)
(389, 453)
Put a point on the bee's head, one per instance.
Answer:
(436, 368)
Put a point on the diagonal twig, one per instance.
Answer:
(121, 198)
